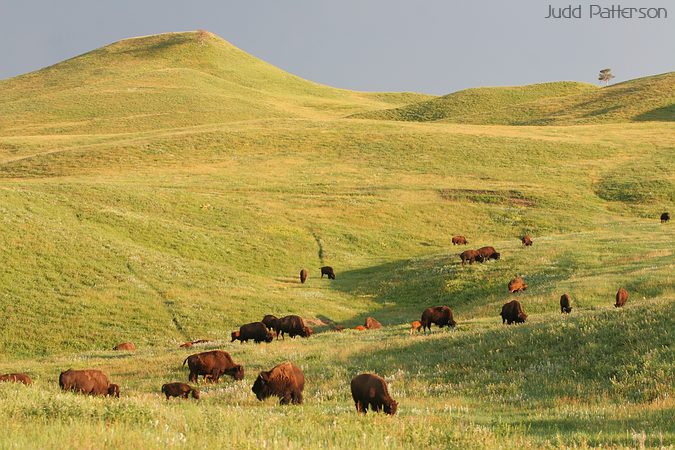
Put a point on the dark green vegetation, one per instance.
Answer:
(170, 188)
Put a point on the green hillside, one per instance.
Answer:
(561, 103)
(154, 194)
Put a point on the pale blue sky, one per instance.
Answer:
(430, 46)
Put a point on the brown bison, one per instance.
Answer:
(285, 381)
(294, 326)
(213, 364)
(272, 323)
(16, 378)
(440, 315)
(88, 381)
(565, 304)
(303, 275)
(517, 285)
(256, 331)
(459, 240)
(488, 253)
(471, 256)
(527, 240)
(186, 344)
(127, 346)
(372, 323)
(665, 217)
(360, 328)
(415, 326)
(179, 390)
(621, 298)
(513, 312)
(370, 390)
(328, 270)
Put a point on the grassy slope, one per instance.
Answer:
(160, 235)
(643, 99)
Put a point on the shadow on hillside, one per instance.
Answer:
(663, 114)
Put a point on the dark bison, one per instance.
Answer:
(565, 304)
(128, 346)
(88, 381)
(272, 323)
(179, 390)
(372, 323)
(213, 364)
(517, 285)
(471, 256)
(488, 253)
(513, 312)
(285, 381)
(293, 326)
(370, 390)
(665, 217)
(16, 378)
(621, 298)
(459, 240)
(415, 326)
(303, 275)
(440, 315)
(328, 270)
(256, 331)
(527, 240)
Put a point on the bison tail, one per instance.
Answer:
(186, 360)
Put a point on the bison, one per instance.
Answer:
(285, 381)
(517, 285)
(186, 344)
(459, 240)
(256, 331)
(527, 240)
(372, 323)
(88, 381)
(213, 364)
(471, 256)
(370, 390)
(294, 326)
(360, 328)
(565, 302)
(127, 346)
(16, 378)
(513, 312)
(440, 315)
(489, 253)
(415, 326)
(328, 270)
(621, 298)
(303, 275)
(179, 390)
(272, 323)
(665, 217)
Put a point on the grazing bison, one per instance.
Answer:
(213, 364)
(527, 240)
(488, 253)
(370, 390)
(360, 328)
(459, 240)
(294, 326)
(372, 323)
(471, 256)
(665, 217)
(513, 312)
(565, 302)
(88, 381)
(303, 275)
(328, 270)
(272, 323)
(621, 298)
(186, 344)
(256, 331)
(128, 346)
(16, 378)
(440, 315)
(517, 285)
(285, 381)
(415, 326)
(179, 390)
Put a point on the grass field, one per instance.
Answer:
(171, 187)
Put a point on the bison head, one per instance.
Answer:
(261, 387)
(391, 407)
(307, 332)
(480, 258)
(236, 372)
(496, 255)
(195, 394)
(235, 336)
(114, 390)
(521, 317)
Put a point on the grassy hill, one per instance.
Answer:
(560, 103)
(184, 225)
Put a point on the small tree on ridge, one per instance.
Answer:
(605, 75)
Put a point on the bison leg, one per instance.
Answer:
(360, 407)
(297, 398)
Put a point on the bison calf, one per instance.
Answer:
(372, 323)
(513, 312)
(415, 326)
(370, 390)
(440, 315)
(127, 346)
(565, 303)
(459, 240)
(285, 381)
(179, 390)
(621, 298)
(303, 275)
(328, 270)
(360, 328)
(16, 378)
(517, 285)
